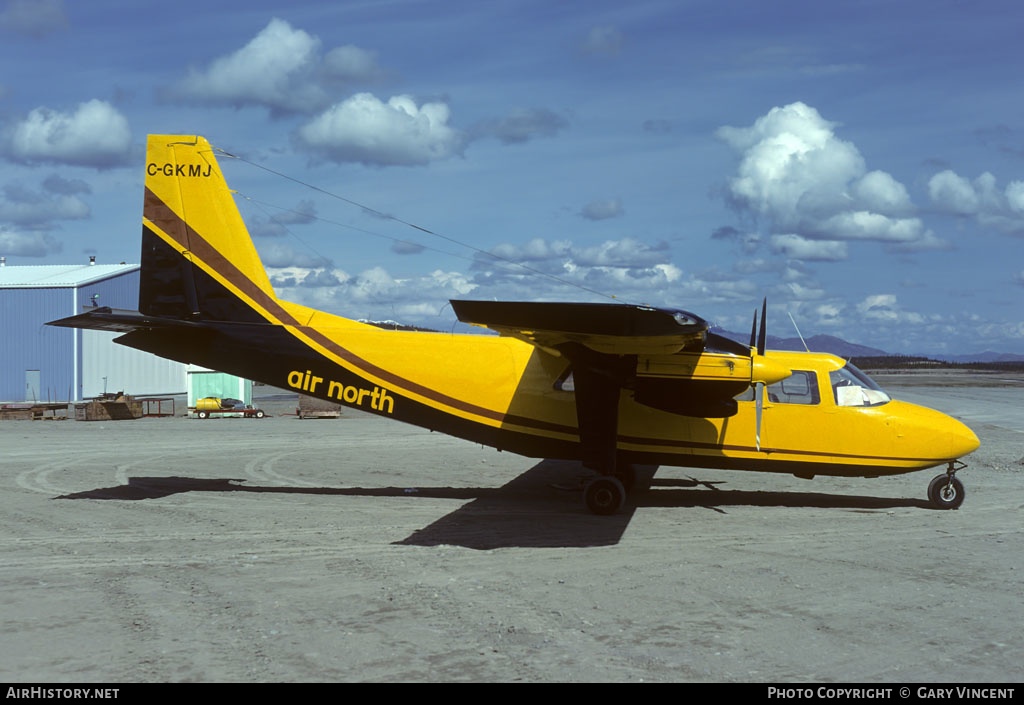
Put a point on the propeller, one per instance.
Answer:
(762, 370)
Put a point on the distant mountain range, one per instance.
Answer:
(846, 350)
(817, 343)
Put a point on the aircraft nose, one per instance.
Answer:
(930, 433)
(962, 440)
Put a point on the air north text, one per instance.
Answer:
(311, 384)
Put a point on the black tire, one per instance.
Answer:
(626, 474)
(945, 494)
(259, 414)
(604, 495)
(202, 414)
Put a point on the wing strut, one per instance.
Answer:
(598, 378)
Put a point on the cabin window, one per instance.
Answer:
(801, 387)
(851, 387)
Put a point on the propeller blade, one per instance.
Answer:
(763, 370)
(759, 405)
(764, 332)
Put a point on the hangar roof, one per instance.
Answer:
(59, 275)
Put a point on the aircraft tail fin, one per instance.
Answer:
(198, 261)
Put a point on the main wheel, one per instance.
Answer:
(945, 493)
(626, 474)
(604, 495)
(202, 414)
(259, 414)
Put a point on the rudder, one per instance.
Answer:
(198, 260)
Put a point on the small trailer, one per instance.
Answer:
(210, 406)
(249, 413)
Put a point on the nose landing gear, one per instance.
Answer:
(946, 491)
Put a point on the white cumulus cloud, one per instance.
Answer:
(375, 293)
(281, 69)
(886, 308)
(21, 244)
(271, 70)
(797, 177)
(94, 135)
(981, 198)
(37, 210)
(1015, 196)
(796, 247)
(555, 270)
(364, 129)
(628, 253)
(865, 225)
(881, 193)
(953, 193)
(561, 256)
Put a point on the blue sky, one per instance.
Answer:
(861, 164)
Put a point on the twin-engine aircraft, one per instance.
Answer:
(611, 385)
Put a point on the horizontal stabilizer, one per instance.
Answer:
(120, 320)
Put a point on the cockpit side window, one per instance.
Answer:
(801, 387)
(851, 387)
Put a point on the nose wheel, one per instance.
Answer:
(946, 491)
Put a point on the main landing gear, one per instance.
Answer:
(946, 491)
(606, 494)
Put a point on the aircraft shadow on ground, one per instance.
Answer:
(543, 507)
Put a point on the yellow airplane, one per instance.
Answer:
(612, 385)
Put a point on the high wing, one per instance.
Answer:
(617, 329)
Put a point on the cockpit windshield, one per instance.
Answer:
(851, 387)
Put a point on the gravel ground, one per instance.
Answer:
(359, 549)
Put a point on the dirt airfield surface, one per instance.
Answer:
(361, 549)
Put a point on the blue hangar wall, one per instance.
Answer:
(28, 345)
